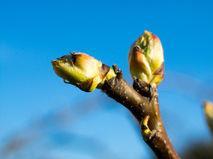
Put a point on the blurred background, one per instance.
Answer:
(43, 118)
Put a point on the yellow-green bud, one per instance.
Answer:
(82, 70)
(208, 108)
(146, 59)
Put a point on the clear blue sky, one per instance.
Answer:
(32, 33)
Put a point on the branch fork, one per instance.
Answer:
(141, 99)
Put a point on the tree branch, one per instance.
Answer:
(87, 73)
(146, 111)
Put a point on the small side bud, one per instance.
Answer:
(208, 109)
(146, 59)
(81, 70)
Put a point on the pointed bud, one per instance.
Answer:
(208, 108)
(146, 59)
(81, 70)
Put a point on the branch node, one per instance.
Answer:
(146, 132)
(117, 71)
(143, 88)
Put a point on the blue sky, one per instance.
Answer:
(32, 33)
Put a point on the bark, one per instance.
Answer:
(145, 108)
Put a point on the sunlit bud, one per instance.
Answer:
(146, 59)
(81, 70)
(208, 108)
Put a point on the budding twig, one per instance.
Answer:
(147, 69)
(144, 108)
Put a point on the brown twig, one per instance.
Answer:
(141, 99)
(146, 111)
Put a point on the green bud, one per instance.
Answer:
(146, 59)
(82, 70)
